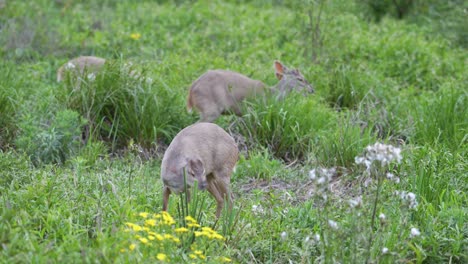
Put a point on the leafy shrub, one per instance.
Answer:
(50, 141)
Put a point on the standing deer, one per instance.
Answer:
(207, 154)
(80, 65)
(220, 92)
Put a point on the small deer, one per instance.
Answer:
(203, 152)
(219, 92)
(80, 65)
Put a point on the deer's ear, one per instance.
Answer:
(279, 70)
(196, 166)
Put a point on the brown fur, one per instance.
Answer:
(80, 65)
(207, 154)
(221, 92)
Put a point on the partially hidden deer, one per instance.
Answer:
(219, 92)
(80, 65)
(205, 153)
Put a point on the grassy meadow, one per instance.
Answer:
(372, 168)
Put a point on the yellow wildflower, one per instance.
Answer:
(198, 233)
(135, 36)
(198, 252)
(151, 237)
(161, 256)
(122, 250)
(224, 259)
(175, 239)
(190, 219)
(192, 256)
(143, 214)
(157, 216)
(150, 222)
(134, 227)
(202, 256)
(207, 229)
(181, 230)
(143, 240)
(132, 247)
(193, 225)
(159, 237)
(167, 218)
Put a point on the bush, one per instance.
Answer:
(53, 140)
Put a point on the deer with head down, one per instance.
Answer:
(219, 92)
(205, 153)
(80, 65)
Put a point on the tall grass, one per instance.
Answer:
(287, 128)
(120, 106)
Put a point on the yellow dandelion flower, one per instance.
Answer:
(175, 239)
(135, 36)
(168, 236)
(143, 214)
(132, 247)
(167, 218)
(198, 233)
(225, 259)
(134, 227)
(151, 237)
(143, 240)
(207, 229)
(161, 257)
(193, 225)
(218, 236)
(122, 250)
(192, 256)
(152, 233)
(150, 222)
(157, 216)
(159, 237)
(202, 257)
(181, 230)
(198, 252)
(190, 219)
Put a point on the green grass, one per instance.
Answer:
(77, 162)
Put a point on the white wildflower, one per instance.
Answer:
(91, 77)
(284, 235)
(312, 174)
(317, 237)
(355, 202)
(70, 66)
(379, 152)
(333, 224)
(307, 239)
(257, 209)
(415, 232)
(384, 250)
(382, 217)
(321, 180)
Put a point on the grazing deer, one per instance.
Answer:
(220, 92)
(205, 153)
(80, 65)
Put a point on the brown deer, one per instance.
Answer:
(80, 65)
(219, 92)
(204, 152)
